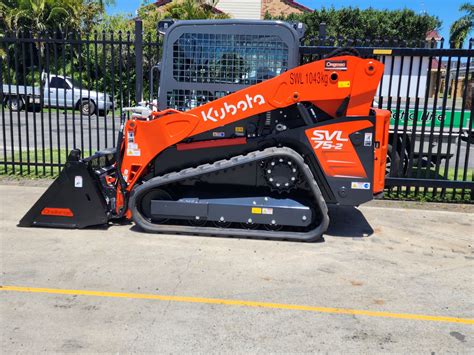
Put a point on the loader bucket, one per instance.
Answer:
(72, 201)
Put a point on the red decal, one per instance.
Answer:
(211, 143)
(53, 211)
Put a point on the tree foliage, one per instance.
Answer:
(106, 60)
(50, 15)
(355, 23)
(461, 28)
(87, 16)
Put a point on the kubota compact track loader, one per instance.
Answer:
(251, 145)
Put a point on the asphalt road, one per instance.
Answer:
(59, 129)
(52, 129)
(396, 273)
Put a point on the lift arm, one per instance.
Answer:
(348, 83)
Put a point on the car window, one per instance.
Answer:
(77, 84)
(58, 83)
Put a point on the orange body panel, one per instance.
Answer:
(335, 151)
(380, 157)
(313, 82)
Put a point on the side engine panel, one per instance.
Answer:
(344, 149)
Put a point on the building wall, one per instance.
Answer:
(278, 7)
(241, 9)
(249, 9)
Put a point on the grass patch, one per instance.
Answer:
(430, 173)
(47, 165)
(430, 194)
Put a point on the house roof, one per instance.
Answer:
(433, 34)
(297, 5)
(162, 2)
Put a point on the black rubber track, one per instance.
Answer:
(159, 181)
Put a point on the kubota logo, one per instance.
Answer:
(328, 140)
(214, 114)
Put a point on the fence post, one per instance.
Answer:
(138, 61)
(322, 32)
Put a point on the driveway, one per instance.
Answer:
(385, 279)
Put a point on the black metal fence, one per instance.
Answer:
(63, 91)
(428, 89)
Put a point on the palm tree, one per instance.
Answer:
(8, 20)
(38, 16)
(49, 15)
(8, 15)
(462, 27)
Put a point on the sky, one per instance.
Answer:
(446, 10)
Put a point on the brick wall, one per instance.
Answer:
(278, 7)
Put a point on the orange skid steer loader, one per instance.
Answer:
(263, 161)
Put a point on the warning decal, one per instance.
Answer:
(360, 185)
(267, 210)
(368, 140)
(133, 150)
(78, 181)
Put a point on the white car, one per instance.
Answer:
(57, 91)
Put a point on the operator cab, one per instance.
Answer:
(204, 60)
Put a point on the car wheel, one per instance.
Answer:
(393, 162)
(87, 108)
(15, 103)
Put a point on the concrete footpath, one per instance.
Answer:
(384, 280)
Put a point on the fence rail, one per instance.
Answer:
(61, 79)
